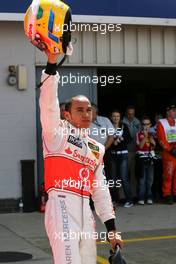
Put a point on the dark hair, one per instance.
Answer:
(61, 104)
(145, 117)
(94, 105)
(68, 105)
(130, 107)
(115, 111)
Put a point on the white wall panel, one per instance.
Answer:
(130, 45)
(169, 46)
(88, 47)
(102, 48)
(157, 46)
(77, 56)
(117, 47)
(134, 45)
(143, 46)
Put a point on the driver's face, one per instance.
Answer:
(80, 115)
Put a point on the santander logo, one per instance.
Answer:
(68, 151)
(77, 155)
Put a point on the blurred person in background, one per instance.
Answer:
(118, 160)
(133, 125)
(166, 133)
(62, 110)
(101, 130)
(144, 161)
(157, 182)
(153, 129)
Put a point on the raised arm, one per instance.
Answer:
(49, 104)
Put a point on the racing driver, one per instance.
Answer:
(73, 165)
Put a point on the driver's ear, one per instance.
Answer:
(67, 115)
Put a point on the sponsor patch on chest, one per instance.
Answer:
(93, 147)
(75, 141)
(94, 150)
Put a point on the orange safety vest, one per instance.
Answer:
(170, 131)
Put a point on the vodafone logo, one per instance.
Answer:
(84, 174)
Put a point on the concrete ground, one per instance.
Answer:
(149, 233)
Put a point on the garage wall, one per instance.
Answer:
(17, 109)
(134, 45)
